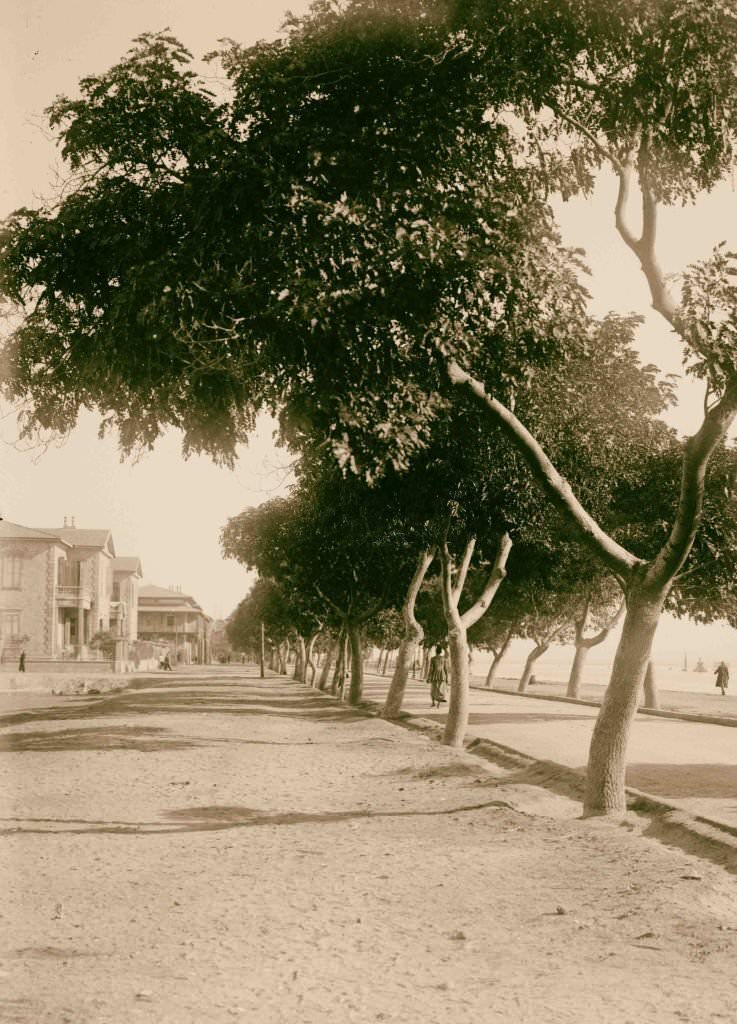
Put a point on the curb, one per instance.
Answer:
(671, 825)
(685, 716)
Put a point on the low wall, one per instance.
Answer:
(60, 683)
(143, 665)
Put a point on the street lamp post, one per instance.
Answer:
(262, 651)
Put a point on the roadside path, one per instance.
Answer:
(199, 851)
(690, 765)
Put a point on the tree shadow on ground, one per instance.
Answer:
(219, 818)
(125, 737)
(183, 700)
(717, 781)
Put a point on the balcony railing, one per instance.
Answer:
(74, 595)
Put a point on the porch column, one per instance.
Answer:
(81, 638)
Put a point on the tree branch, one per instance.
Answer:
(580, 623)
(330, 601)
(424, 562)
(463, 568)
(558, 490)
(446, 577)
(496, 576)
(625, 173)
(698, 451)
(601, 636)
(597, 143)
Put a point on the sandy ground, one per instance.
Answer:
(209, 851)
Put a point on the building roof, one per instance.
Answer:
(11, 531)
(84, 538)
(149, 590)
(165, 599)
(127, 563)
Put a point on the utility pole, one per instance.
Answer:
(262, 650)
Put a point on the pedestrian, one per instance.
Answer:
(437, 677)
(722, 674)
(22, 660)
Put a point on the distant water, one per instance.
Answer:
(555, 666)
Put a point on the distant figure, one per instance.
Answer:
(437, 677)
(22, 661)
(722, 675)
(166, 664)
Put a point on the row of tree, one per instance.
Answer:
(358, 236)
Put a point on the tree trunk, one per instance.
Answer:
(378, 660)
(413, 635)
(310, 667)
(457, 722)
(537, 651)
(300, 659)
(605, 775)
(326, 665)
(355, 694)
(496, 659)
(339, 665)
(579, 660)
(283, 653)
(650, 689)
(393, 703)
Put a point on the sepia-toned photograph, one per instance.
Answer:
(368, 511)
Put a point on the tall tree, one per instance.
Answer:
(256, 237)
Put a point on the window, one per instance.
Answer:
(12, 566)
(10, 625)
(170, 621)
(116, 590)
(68, 573)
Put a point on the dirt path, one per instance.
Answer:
(214, 851)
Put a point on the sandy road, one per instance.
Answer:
(216, 850)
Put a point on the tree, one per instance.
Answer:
(424, 260)
(668, 128)
(335, 545)
(496, 631)
(600, 606)
(264, 604)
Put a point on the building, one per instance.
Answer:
(57, 591)
(175, 618)
(127, 573)
(32, 605)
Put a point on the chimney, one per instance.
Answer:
(65, 522)
(73, 524)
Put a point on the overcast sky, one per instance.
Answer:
(168, 511)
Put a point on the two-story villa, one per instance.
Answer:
(57, 590)
(176, 619)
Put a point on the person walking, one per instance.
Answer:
(437, 677)
(22, 661)
(722, 674)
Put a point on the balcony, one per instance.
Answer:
(73, 597)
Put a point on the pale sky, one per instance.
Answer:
(166, 510)
(169, 511)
